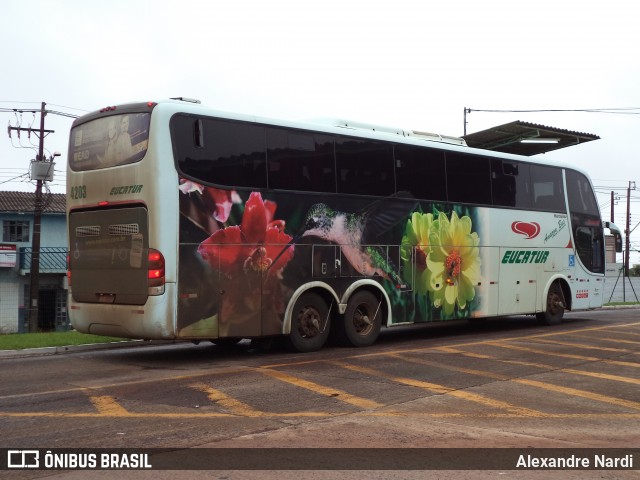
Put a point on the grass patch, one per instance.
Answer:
(19, 341)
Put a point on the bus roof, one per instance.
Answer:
(322, 124)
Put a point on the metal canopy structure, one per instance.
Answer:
(523, 138)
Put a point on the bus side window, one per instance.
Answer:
(421, 172)
(364, 167)
(510, 186)
(468, 178)
(580, 194)
(548, 193)
(219, 151)
(300, 160)
(237, 153)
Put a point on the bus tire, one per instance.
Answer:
(554, 308)
(362, 320)
(310, 323)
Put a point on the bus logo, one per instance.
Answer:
(528, 229)
(23, 458)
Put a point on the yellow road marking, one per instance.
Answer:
(609, 339)
(478, 343)
(586, 373)
(579, 393)
(582, 345)
(236, 407)
(603, 376)
(563, 355)
(107, 405)
(472, 397)
(391, 413)
(626, 332)
(471, 371)
(322, 390)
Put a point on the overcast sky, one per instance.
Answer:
(411, 64)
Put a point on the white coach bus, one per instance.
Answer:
(190, 223)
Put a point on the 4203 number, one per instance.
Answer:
(79, 192)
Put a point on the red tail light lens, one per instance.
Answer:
(156, 272)
(69, 268)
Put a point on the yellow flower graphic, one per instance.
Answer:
(416, 239)
(454, 262)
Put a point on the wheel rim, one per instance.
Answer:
(309, 322)
(362, 319)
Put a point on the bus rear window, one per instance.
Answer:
(109, 141)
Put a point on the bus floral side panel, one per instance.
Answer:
(441, 258)
(243, 253)
(241, 259)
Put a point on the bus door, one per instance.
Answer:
(518, 275)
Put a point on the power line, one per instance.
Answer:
(14, 178)
(616, 111)
(28, 110)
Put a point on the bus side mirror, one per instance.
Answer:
(618, 239)
(617, 234)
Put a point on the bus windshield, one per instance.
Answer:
(109, 141)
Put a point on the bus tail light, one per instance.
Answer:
(156, 272)
(69, 269)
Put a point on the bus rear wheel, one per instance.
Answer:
(555, 306)
(361, 322)
(310, 323)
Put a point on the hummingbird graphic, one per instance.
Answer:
(357, 233)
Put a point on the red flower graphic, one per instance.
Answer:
(216, 200)
(253, 246)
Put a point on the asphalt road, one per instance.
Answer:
(498, 383)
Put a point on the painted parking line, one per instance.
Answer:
(548, 353)
(609, 339)
(338, 394)
(582, 345)
(619, 329)
(601, 376)
(487, 342)
(234, 406)
(429, 363)
(106, 405)
(443, 390)
(579, 393)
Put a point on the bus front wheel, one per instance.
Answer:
(310, 323)
(361, 322)
(555, 306)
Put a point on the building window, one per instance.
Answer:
(15, 231)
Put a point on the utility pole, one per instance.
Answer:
(34, 288)
(613, 201)
(628, 229)
(464, 116)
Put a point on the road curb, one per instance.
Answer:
(38, 352)
(619, 307)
